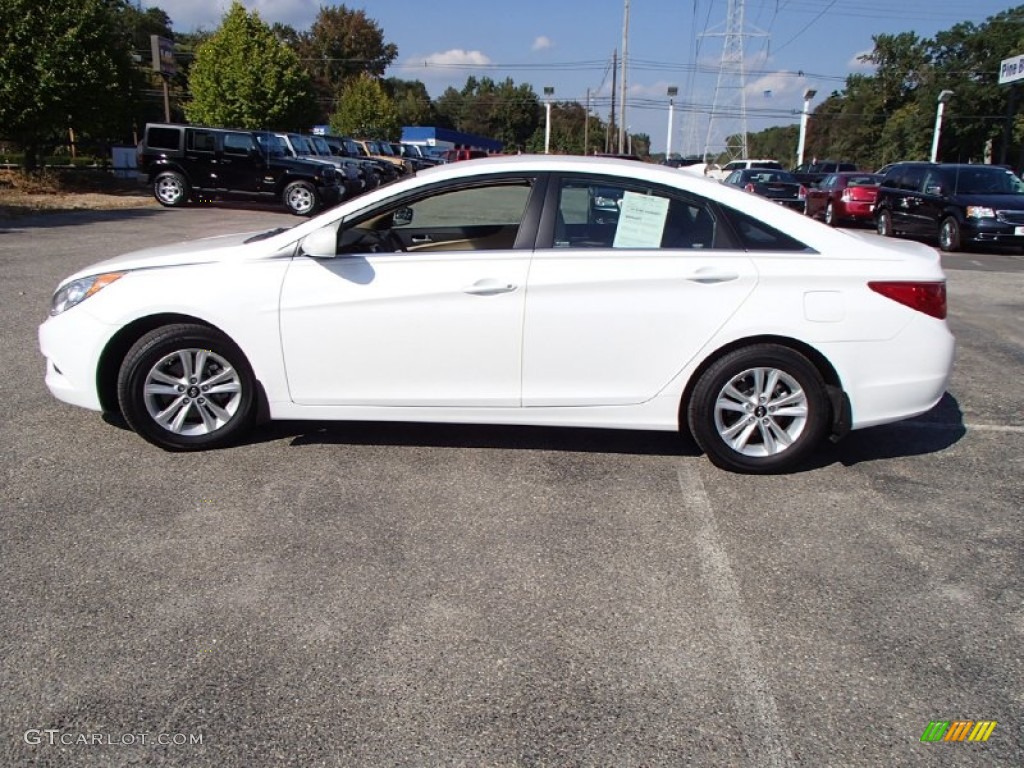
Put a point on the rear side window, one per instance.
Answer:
(755, 235)
(164, 138)
(202, 141)
(597, 213)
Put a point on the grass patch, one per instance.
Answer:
(53, 190)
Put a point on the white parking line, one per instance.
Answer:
(1015, 429)
(756, 704)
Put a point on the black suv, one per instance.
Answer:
(183, 162)
(815, 173)
(980, 204)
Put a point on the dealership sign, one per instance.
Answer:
(163, 55)
(1011, 70)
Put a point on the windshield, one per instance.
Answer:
(270, 144)
(301, 145)
(322, 147)
(382, 148)
(986, 181)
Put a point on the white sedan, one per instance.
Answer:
(554, 291)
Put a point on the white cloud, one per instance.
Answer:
(856, 65)
(542, 43)
(780, 85)
(188, 15)
(444, 67)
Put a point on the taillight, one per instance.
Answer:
(802, 194)
(749, 188)
(929, 298)
(847, 195)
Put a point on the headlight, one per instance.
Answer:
(980, 212)
(79, 290)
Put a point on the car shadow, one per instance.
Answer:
(931, 432)
(73, 218)
(570, 440)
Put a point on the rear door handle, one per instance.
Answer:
(489, 287)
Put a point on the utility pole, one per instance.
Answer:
(611, 121)
(586, 124)
(622, 85)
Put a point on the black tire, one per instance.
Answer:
(795, 383)
(884, 223)
(301, 198)
(949, 235)
(213, 408)
(171, 189)
(830, 214)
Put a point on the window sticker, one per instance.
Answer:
(641, 221)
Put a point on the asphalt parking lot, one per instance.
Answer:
(394, 595)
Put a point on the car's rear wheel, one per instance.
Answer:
(171, 189)
(301, 198)
(949, 235)
(759, 409)
(830, 214)
(186, 387)
(884, 223)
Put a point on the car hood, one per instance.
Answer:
(203, 251)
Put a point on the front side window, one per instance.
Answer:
(614, 214)
(478, 217)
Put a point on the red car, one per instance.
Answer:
(844, 197)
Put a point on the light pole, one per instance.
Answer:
(944, 98)
(548, 93)
(672, 91)
(809, 94)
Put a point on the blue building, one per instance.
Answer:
(445, 138)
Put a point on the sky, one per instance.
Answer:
(787, 47)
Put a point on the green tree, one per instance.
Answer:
(342, 44)
(244, 77)
(64, 64)
(365, 111)
(412, 101)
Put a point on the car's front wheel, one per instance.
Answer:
(186, 387)
(759, 409)
(301, 198)
(949, 235)
(171, 189)
(884, 223)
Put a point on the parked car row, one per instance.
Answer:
(184, 163)
(955, 204)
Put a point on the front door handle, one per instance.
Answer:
(489, 287)
(710, 276)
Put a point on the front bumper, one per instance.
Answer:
(72, 343)
(991, 232)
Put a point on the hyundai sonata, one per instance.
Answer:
(582, 292)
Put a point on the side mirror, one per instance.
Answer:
(322, 244)
(401, 217)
